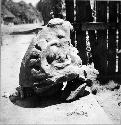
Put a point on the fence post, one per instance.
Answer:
(112, 37)
(101, 47)
(83, 14)
(70, 15)
(119, 42)
(69, 10)
(92, 39)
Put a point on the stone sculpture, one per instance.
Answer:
(51, 60)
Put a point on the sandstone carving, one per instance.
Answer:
(51, 59)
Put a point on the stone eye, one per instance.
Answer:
(60, 36)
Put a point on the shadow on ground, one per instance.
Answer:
(41, 102)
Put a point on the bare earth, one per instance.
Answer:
(110, 101)
(35, 110)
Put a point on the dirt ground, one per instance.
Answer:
(110, 101)
(36, 110)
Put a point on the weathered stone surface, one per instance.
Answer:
(51, 58)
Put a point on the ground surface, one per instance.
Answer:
(7, 29)
(110, 101)
(35, 110)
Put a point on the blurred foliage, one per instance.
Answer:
(24, 13)
(50, 9)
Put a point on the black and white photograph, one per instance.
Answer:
(60, 62)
